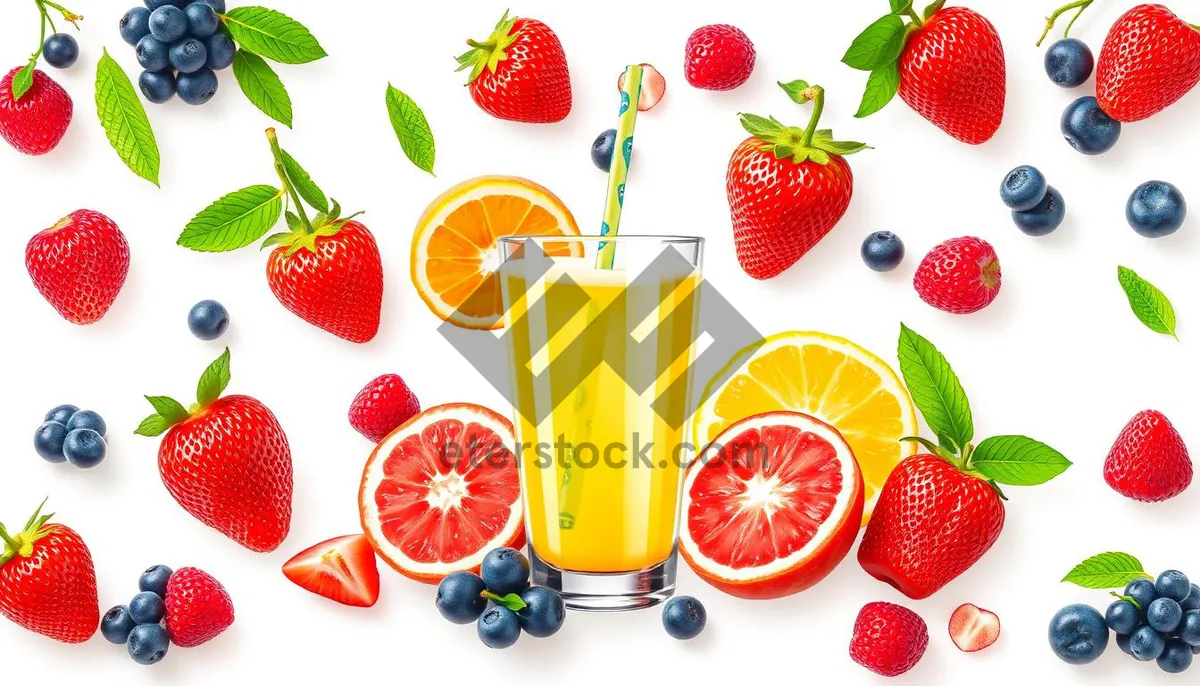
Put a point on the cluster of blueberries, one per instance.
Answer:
(1087, 127)
(139, 625)
(1153, 620)
(70, 434)
(180, 45)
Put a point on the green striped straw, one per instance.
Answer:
(618, 171)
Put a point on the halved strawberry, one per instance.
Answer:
(973, 628)
(342, 569)
(654, 87)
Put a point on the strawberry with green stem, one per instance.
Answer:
(34, 110)
(326, 270)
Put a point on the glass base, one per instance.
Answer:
(610, 591)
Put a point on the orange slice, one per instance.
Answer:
(456, 252)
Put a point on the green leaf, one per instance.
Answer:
(272, 35)
(511, 601)
(933, 9)
(304, 184)
(213, 381)
(935, 389)
(124, 120)
(824, 141)
(796, 91)
(1017, 461)
(154, 425)
(880, 44)
(23, 80)
(169, 409)
(1106, 570)
(882, 85)
(1149, 304)
(901, 6)
(408, 121)
(262, 86)
(234, 221)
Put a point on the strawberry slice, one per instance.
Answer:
(342, 569)
(972, 629)
(654, 87)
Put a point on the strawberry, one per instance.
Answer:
(381, 406)
(226, 461)
(519, 73)
(787, 187)
(1150, 59)
(1149, 461)
(198, 608)
(972, 628)
(35, 122)
(48, 582)
(342, 569)
(888, 639)
(959, 276)
(79, 265)
(947, 64)
(718, 57)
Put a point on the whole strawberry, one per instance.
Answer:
(226, 461)
(718, 57)
(381, 406)
(888, 639)
(1150, 59)
(48, 582)
(79, 265)
(1149, 461)
(35, 122)
(959, 276)
(946, 63)
(787, 187)
(519, 73)
(198, 608)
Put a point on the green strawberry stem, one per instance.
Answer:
(800, 145)
(1080, 5)
(489, 53)
(817, 95)
(277, 153)
(21, 545)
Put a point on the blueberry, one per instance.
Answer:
(883, 251)
(202, 20)
(1189, 628)
(147, 607)
(1123, 617)
(1164, 615)
(168, 23)
(188, 55)
(1023, 188)
(1146, 644)
(157, 86)
(1078, 634)
(1088, 128)
(220, 51)
(148, 643)
(135, 25)
(155, 4)
(1156, 209)
(602, 149)
(459, 599)
(208, 319)
(60, 50)
(116, 624)
(61, 414)
(86, 419)
(1173, 584)
(1142, 591)
(1176, 657)
(1192, 602)
(84, 448)
(543, 613)
(198, 87)
(155, 580)
(152, 54)
(504, 571)
(1069, 62)
(1045, 217)
(498, 627)
(48, 441)
(217, 5)
(684, 617)
(1123, 643)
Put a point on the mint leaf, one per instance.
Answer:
(234, 221)
(304, 184)
(124, 120)
(511, 601)
(169, 409)
(412, 129)
(154, 425)
(262, 86)
(214, 380)
(272, 35)
(1017, 461)
(23, 80)
(935, 389)
(878, 45)
(1106, 570)
(901, 6)
(882, 85)
(1149, 304)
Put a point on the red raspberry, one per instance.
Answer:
(198, 608)
(381, 406)
(888, 639)
(718, 57)
(959, 276)
(1149, 462)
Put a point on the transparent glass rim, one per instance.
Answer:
(633, 238)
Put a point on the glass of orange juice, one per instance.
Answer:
(600, 366)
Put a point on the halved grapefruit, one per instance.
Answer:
(771, 506)
(441, 491)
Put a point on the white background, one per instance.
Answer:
(1058, 356)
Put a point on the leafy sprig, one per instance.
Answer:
(877, 50)
(23, 80)
(1107, 570)
(263, 34)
